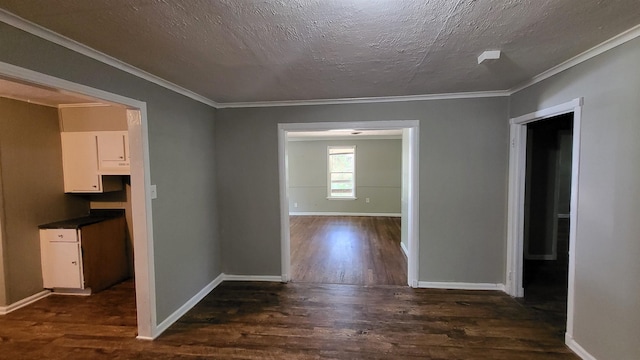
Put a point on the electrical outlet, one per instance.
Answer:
(367, 200)
(295, 205)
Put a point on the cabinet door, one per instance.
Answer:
(80, 162)
(61, 265)
(112, 152)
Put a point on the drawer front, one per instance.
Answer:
(59, 235)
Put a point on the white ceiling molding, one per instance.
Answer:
(366, 100)
(44, 33)
(607, 45)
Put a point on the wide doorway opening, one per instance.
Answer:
(69, 115)
(349, 202)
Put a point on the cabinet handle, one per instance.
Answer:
(95, 186)
(74, 262)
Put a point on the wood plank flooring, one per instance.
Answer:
(287, 321)
(347, 250)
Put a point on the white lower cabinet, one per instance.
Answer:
(90, 257)
(61, 259)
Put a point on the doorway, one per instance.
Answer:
(345, 196)
(518, 212)
(547, 218)
(409, 206)
(140, 182)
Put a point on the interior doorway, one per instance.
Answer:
(520, 197)
(139, 184)
(547, 218)
(409, 208)
(345, 201)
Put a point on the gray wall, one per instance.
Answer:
(607, 320)
(378, 176)
(463, 172)
(32, 191)
(181, 133)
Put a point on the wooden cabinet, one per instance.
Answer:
(92, 257)
(88, 156)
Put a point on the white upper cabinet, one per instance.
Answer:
(82, 160)
(113, 153)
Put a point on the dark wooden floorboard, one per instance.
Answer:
(347, 250)
(288, 321)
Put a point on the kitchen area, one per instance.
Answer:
(65, 196)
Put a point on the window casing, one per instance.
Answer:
(341, 182)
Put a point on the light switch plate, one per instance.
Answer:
(154, 192)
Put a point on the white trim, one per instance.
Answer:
(576, 348)
(140, 184)
(605, 46)
(264, 278)
(345, 138)
(44, 33)
(82, 105)
(176, 315)
(412, 216)
(515, 215)
(4, 310)
(366, 100)
(460, 285)
(328, 213)
(405, 251)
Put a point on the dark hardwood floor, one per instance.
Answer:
(347, 250)
(287, 321)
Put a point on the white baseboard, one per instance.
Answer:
(321, 213)
(160, 328)
(460, 286)
(404, 249)
(267, 278)
(579, 350)
(4, 310)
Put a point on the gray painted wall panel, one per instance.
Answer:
(463, 171)
(378, 176)
(607, 320)
(181, 133)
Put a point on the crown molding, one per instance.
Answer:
(366, 100)
(44, 33)
(605, 46)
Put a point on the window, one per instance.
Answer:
(342, 172)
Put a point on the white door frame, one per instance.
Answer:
(515, 216)
(413, 181)
(140, 185)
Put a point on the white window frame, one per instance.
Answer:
(329, 195)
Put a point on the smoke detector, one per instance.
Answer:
(489, 55)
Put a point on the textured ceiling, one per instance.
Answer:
(246, 50)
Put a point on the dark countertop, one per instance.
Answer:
(76, 223)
